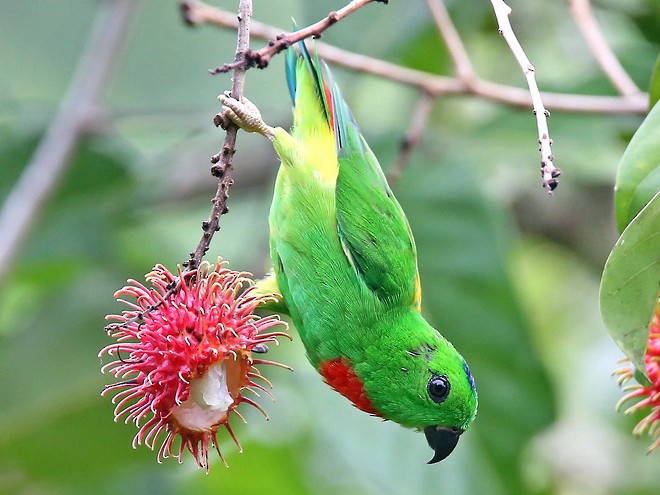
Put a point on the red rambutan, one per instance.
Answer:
(184, 353)
(649, 391)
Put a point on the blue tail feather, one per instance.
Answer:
(290, 67)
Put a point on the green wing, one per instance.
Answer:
(372, 226)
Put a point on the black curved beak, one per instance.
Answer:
(442, 440)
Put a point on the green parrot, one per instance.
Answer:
(345, 263)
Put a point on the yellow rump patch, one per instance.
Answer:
(418, 294)
(320, 156)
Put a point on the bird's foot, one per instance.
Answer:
(244, 114)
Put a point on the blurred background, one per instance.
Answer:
(510, 275)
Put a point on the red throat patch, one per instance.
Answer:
(339, 375)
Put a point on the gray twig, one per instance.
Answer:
(222, 161)
(549, 173)
(420, 116)
(600, 49)
(196, 12)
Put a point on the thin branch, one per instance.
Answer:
(549, 172)
(416, 129)
(41, 176)
(200, 13)
(592, 34)
(459, 56)
(261, 58)
(223, 168)
(566, 102)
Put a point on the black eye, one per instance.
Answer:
(438, 388)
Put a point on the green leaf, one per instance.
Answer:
(654, 86)
(638, 177)
(629, 287)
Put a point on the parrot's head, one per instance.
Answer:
(420, 381)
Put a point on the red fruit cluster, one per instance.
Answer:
(650, 392)
(184, 353)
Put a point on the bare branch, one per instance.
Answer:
(584, 18)
(566, 102)
(201, 13)
(223, 168)
(462, 64)
(549, 172)
(420, 117)
(261, 58)
(50, 160)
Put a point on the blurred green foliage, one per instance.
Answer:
(509, 274)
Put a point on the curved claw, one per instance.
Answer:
(244, 114)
